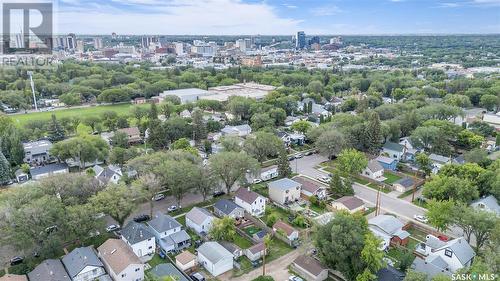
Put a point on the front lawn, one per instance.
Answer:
(384, 189)
(391, 178)
(245, 266)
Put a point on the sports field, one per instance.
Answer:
(82, 112)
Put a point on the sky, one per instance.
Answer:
(278, 17)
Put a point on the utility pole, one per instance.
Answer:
(30, 73)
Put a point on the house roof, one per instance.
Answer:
(385, 160)
(288, 229)
(198, 215)
(393, 146)
(490, 202)
(231, 247)
(117, 255)
(389, 224)
(168, 269)
(49, 270)
(374, 166)
(309, 264)
(283, 184)
(162, 223)
(439, 158)
(247, 195)
(257, 248)
(406, 182)
(429, 268)
(350, 202)
(132, 131)
(13, 277)
(80, 258)
(390, 273)
(50, 168)
(185, 257)
(214, 252)
(180, 236)
(226, 206)
(461, 249)
(135, 232)
(307, 185)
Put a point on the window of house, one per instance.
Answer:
(123, 275)
(480, 205)
(448, 253)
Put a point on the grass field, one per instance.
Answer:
(82, 112)
(391, 178)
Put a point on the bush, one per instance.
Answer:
(263, 278)
(271, 219)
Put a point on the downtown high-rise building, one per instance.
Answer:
(98, 43)
(300, 40)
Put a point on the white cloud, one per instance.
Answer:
(328, 10)
(175, 17)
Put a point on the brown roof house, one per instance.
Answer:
(120, 261)
(133, 134)
(310, 188)
(310, 268)
(252, 202)
(351, 204)
(185, 260)
(291, 233)
(13, 277)
(256, 252)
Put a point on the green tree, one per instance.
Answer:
(284, 169)
(261, 121)
(230, 167)
(120, 139)
(440, 213)
(301, 126)
(231, 143)
(55, 130)
(338, 187)
(199, 126)
(490, 102)
(178, 177)
(373, 133)
(116, 201)
(157, 136)
(412, 275)
(424, 163)
(469, 140)
(84, 149)
(223, 229)
(372, 257)
(350, 163)
(261, 145)
(450, 187)
(4, 169)
(149, 185)
(331, 143)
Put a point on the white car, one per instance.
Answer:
(112, 227)
(298, 155)
(158, 197)
(294, 278)
(324, 179)
(257, 181)
(421, 218)
(173, 208)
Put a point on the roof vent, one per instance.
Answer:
(113, 251)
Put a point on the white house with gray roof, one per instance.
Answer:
(240, 130)
(226, 207)
(200, 220)
(215, 258)
(252, 202)
(374, 170)
(82, 264)
(140, 238)
(388, 229)
(438, 257)
(284, 191)
(169, 233)
(438, 161)
(488, 204)
(49, 270)
(37, 151)
(394, 150)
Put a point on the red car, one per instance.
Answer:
(443, 238)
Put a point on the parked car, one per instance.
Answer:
(294, 278)
(218, 193)
(158, 197)
(310, 152)
(112, 227)
(197, 276)
(16, 260)
(324, 179)
(299, 155)
(421, 218)
(291, 158)
(173, 208)
(256, 263)
(257, 181)
(142, 218)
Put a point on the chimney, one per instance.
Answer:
(51, 273)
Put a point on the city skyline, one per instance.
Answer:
(233, 17)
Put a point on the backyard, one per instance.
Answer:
(391, 178)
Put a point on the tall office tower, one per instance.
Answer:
(240, 44)
(300, 40)
(248, 43)
(114, 36)
(80, 48)
(71, 41)
(19, 41)
(179, 48)
(98, 43)
(314, 40)
(147, 41)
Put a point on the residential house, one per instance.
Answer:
(232, 248)
(404, 184)
(438, 257)
(374, 170)
(336, 102)
(316, 109)
(310, 268)
(488, 203)
(226, 207)
(13, 277)
(284, 191)
(390, 230)
(310, 188)
(389, 273)
(169, 233)
(82, 264)
(351, 204)
(287, 230)
(285, 137)
(240, 130)
(109, 174)
(215, 258)
(48, 170)
(133, 134)
(140, 239)
(256, 251)
(49, 270)
(37, 152)
(269, 173)
(394, 150)
(460, 160)
(438, 161)
(387, 163)
(200, 220)
(297, 139)
(139, 100)
(185, 260)
(410, 150)
(164, 270)
(252, 202)
(120, 261)
(290, 120)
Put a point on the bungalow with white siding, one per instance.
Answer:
(394, 150)
(215, 258)
(256, 252)
(374, 170)
(438, 161)
(200, 220)
(169, 233)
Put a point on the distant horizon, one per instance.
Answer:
(284, 35)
